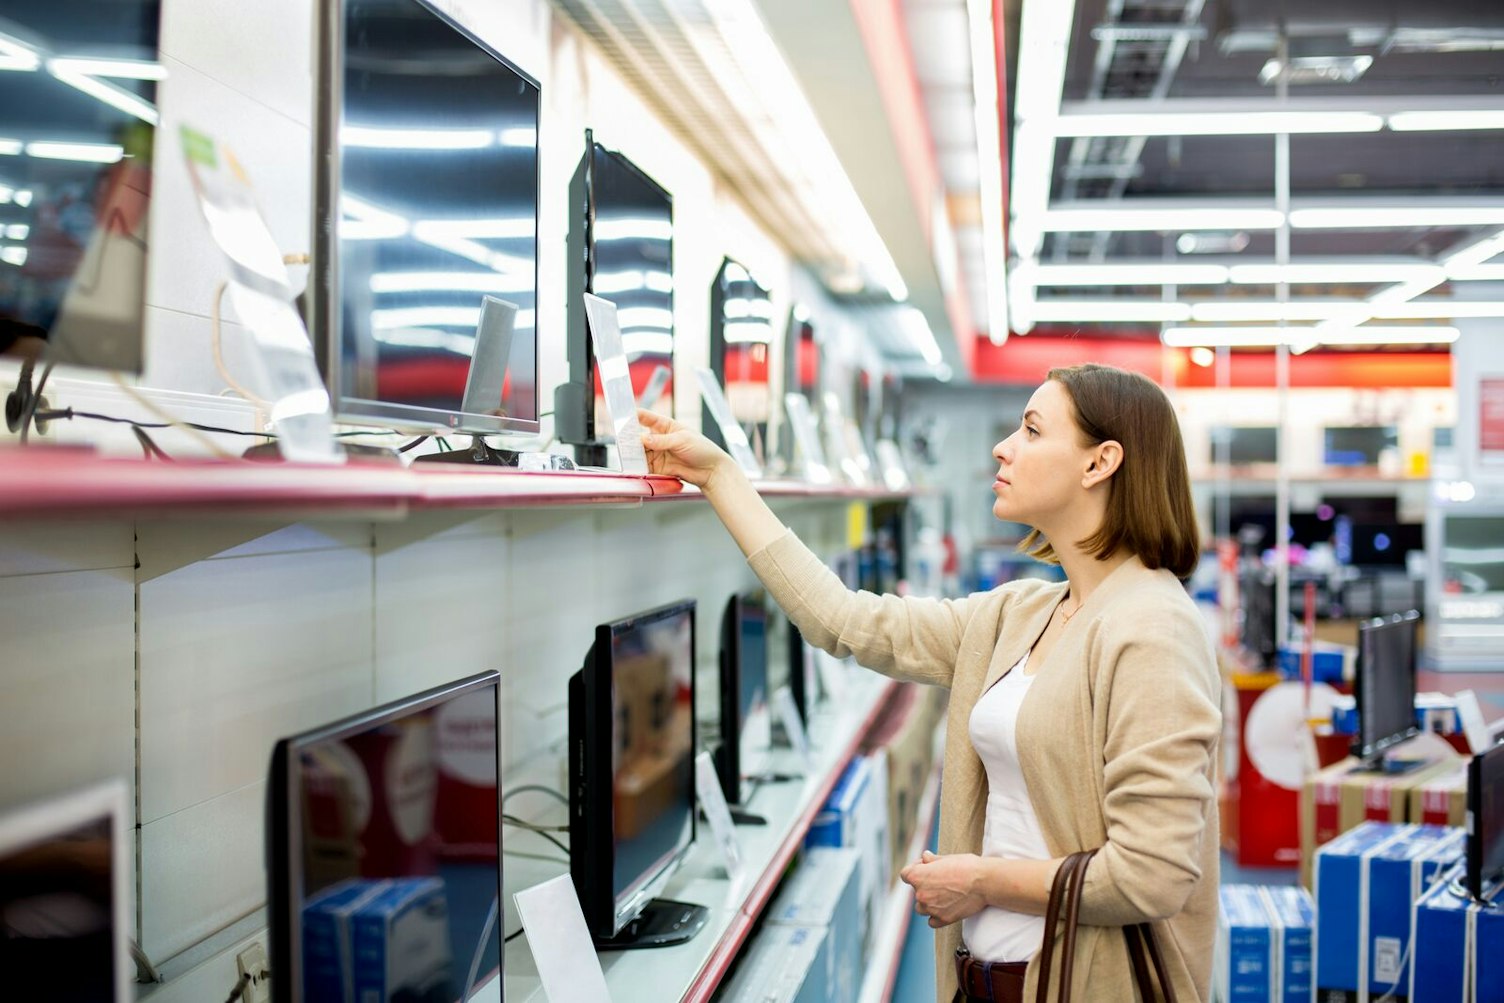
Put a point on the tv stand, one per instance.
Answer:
(1390, 767)
(480, 453)
(662, 923)
(591, 454)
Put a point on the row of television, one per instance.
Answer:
(1341, 445)
(423, 297)
(384, 829)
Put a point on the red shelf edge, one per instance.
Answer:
(726, 949)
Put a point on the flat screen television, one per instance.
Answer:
(791, 663)
(426, 200)
(1358, 445)
(1385, 544)
(1485, 830)
(799, 367)
(746, 721)
(1257, 632)
(1385, 687)
(78, 118)
(621, 248)
(631, 769)
(66, 916)
(1242, 445)
(1472, 554)
(384, 841)
(741, 338)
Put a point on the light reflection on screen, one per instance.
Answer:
(439, 182)
(652, 751)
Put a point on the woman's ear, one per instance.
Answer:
(1106, 458)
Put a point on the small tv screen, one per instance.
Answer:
(65, 901)
(746, 722)
(78, 119)
(1472, 554)
(1385, 684)
(426, 186)
(1357, 446)
(741, 336)
(631, 763)
(1243, 445)
(384, 841)
(1485, 812)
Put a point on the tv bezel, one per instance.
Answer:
(1364, 746)
(574, 415)
(592, 815)
(1491, 760)
(31, 824)
(728, 753)
(284, 839)
(325, 314)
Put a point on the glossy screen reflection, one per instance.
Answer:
(652, 753)
(399, 853)
(632, 248)
(438, 186)
(78, 96)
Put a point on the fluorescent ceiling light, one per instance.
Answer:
(367, 137)
(984, 90)
(1043, 44)
(1258, 337)
(520, 137)
(1474, 253)
(1476, 273)
(920, 334)
(1109, 311)
(88, 153)
(1331, 69)
(1140, 274)
(1438, 309)
(1211, 243)
(1203, 356)
(1378, 217)
(11, 147)
(1398, 307)
(606, 283)
(114, 95)
(632, 229)
(13, 255)
(17, 56)
(119, 69)
(368, 222)
(1333, 272)
(1210, 123)
(1265, 310)
(425, 316)
(472, 282)
(475, 229)
(17, 231)
(1169, 219)
(648, 317)
(1438, 121)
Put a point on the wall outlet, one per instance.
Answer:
(253, 962)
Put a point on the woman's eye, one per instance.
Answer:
(1031, 429)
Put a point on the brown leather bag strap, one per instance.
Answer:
(1065, 893)
(1141, 936)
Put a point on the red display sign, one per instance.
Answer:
(1491, 416)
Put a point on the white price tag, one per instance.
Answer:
(713, 803)
(560, 942)
(616, 382)
(807, 438)
(731, 431)
(793, 725)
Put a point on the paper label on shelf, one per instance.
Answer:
(807, 438)
(713, 804)
(731, 431)
(793, 725)
(616, 383)
(560, 942)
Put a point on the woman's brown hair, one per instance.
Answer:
(1149, 509)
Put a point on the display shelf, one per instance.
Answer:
(898, 909)
(60, 482)
(693, 971)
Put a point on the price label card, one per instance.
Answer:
(807, 438)
(560, 941)
(616, 381)
(793, 725)
(713, 804)
(736, 439)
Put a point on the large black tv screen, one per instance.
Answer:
(427, 191)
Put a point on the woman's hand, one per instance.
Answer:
(946, 889)
(675, 450)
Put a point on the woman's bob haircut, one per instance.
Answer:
(1149, 509)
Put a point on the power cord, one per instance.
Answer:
(542, 832)
(533, 788)
(241, 985)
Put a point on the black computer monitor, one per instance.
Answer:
(1385, 687)
(631, 769)
(384, 840)
(1357, 445)
(426, 204)
(78, 117)
(620, 247)
(746, 723)
(1485, 831)
(1257, 632)
(741, 336)
(1243, 445)
(65, 898)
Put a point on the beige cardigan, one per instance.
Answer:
(1117, 738)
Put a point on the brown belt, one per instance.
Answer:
(989, 981)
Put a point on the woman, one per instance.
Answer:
(1083, 713)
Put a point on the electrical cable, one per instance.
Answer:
(151, 406)
(413, 444)
(30, 413)
(240, 987)
(541, 834)
(219, 359)
(522, 823)
(513, 936)
(150, 448)
(536, 789)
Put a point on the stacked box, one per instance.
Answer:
(1264, 944)
(856, 815)
(1459, 946)
(1441, 799)
(1366, 883)
(785, 964)
(401, 943)
(825, 892)
(328, 947)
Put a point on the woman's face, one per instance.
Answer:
(1040, 466)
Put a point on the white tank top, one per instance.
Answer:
(1012, 828)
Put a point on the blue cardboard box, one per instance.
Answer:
(328, 959)
(836, 824)
(1459, 946)
(825, 892)
(1366, 883)
(401, 943)
(1264, 944)
(785, 964)
(1330, 663)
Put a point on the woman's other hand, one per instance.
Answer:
(946, 889)
(675, 450)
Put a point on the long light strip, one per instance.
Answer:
(984, 91)
(87, 153)
(1350, 312)
(1446, 121)
(1297, 273)
(1139, 274)
(1261, 337)
(1381, 217)
(115, 96)
(1265, 123)
(369, 137)
(1109, 310)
